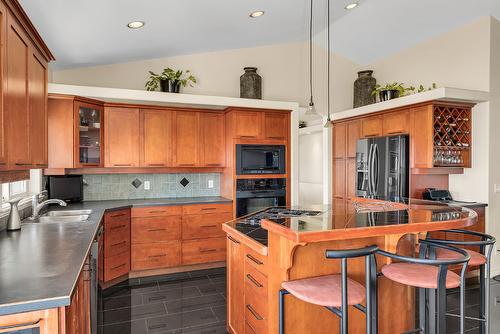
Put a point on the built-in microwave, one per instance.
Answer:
(260, 159)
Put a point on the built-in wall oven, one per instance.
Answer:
(260, 159)
(256, 194)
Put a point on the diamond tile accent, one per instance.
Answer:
(136, 183)
(184, 182)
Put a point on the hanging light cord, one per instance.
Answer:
(311, 52)
(328, 62)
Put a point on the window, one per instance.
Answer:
(21, 189)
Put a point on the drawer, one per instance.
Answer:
(157, 211)
(197, 209)
(255, 283)
(396, 123)
(116, 266)
(156, 229)
(204, 226)
(116, 232)
(156, 255)
(116, 215)
(256, 313)
(203, 250)
(256, 260)
(115, 247)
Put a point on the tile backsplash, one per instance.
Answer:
(132, 186)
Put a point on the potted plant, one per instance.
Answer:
(170, 80)
(391, 91)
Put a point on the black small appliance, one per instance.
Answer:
(256, 194)
(68, 188)
(434, 194)
(260, 159)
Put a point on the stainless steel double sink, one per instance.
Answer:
(65, 216)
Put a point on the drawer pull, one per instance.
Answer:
(21, 164)
(254, 313)
(118, 215)
(118, 227)
(253, 259)
(156, 211)
(157, 230)
(248, 137)
(156, 165)
(281, 137)
(119, 266)
(119, 244)
(395, 132)
(122, 165)
(208, 250)
(26, 325)
(254, 281)
(208, 226)
(214, 165)
(233, 239)
(186, 165)
(159, 255)
(208, 209)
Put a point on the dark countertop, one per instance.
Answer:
(40, 264)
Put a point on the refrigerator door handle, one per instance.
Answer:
(369, 168)
(375, 169)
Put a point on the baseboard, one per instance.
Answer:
(180, 269)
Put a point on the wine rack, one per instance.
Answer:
(452, 135)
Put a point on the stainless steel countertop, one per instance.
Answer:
(40, 264)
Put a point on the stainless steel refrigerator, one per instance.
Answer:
(382, 167)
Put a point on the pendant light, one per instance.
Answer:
(328, 123)
(311, 109)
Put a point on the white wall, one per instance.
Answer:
(311, 168)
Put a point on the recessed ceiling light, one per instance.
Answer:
(257, 14)
(351, 6)
(136, 24)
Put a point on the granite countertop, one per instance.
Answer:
(40, 264)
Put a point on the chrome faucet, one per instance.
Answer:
(39, 206)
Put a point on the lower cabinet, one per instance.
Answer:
(116, 244)
(203, 250)
(235, 286)
(77, 314)
(155, 255)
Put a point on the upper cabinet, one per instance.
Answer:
(263, 125)
(157, 137)
(247, 124)
(276, 125)
(212, 132)
(371, 126)
(122, 137)
(186, 128)
(88, 134)
(396, 123)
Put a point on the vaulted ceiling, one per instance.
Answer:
(92, 32)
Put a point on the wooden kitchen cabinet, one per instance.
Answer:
(247, 124)
(421, 139)
(350, 178)
(235, 285)
(203, 250)
(17, 102)
(186, 139)
(276, 126)
(116, 244)
(339, 140)
(122, 137)
(353, 132)
(213, 143)
(396, 123)
(156, 138)
(77, 314)
(37, 87)
(339, 179)
(371, 126)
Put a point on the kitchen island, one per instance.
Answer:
(263, 254)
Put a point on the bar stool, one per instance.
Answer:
(432, 278)
(337, 292)
(481, 259)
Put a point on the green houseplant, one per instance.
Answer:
(394, 90)
(170, 80)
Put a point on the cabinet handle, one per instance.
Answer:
(118, 244)
(208, 250)
(395, 132)
(208, 226)
(121, 265)
(214, 165)
(208, 209)
(233, 239)
(3, 163)
(156, 211)
(254, 281)
(156, 165)
(276, 137)
(254, 313)
(118, 227)
(372, 135)
(159, 255)
(26, 324)
(22, 164)
(248, 137)
(253, 259)
(122, 165)
(186, 165)
(157, 229)
(40, 165)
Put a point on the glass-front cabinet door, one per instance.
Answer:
(89, 134)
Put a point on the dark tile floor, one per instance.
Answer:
(195, 303)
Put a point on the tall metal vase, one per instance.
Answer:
(250, 84)
(363, 88)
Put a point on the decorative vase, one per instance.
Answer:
(251, 84)
(170, 86)
(387, 95)
(363, 88)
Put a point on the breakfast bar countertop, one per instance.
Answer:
(40, 264)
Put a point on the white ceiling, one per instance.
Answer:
(91, 32)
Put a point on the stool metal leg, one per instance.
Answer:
(344, 320)
(432, 311)
(487, 298)
(462, 304)
(422, 309)
(282, 294)
(482, 299)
